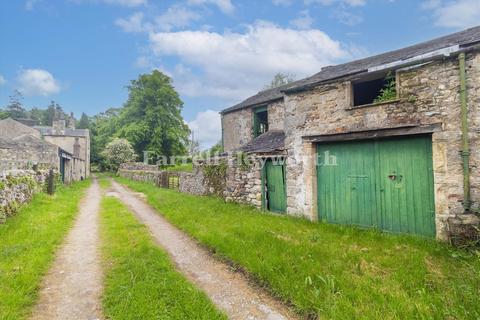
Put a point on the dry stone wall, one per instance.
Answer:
(17, 188)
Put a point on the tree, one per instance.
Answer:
(151, 118)
(54, 110)
(15, 108)
(117, 152)
(84, 122)
(280, 79)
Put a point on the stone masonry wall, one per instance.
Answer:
(427, 95)
(276, 115)
(17, 188)
(237, 129)
(240, 184)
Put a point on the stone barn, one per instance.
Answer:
(390, 141)
(22, 147)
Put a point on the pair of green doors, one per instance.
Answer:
(386, 184)
(275, 193)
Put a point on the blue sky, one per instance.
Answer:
(82, 53)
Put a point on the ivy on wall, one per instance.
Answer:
(215, 177)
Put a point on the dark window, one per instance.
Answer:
(260, 121)
(378, 89)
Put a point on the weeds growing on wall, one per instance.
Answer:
(215, 177)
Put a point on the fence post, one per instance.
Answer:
(50, 182)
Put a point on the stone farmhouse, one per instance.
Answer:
(390, 141)
(60, 147)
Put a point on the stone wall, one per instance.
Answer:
(238, 183)
(428, 94)
(237, 129)
(18, 187)
(276, 115)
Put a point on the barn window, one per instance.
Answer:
(374, 89)
(260, 121)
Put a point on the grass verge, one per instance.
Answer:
(28, 242)
(141, 282)
(331, 271)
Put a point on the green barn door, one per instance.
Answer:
(384, 183)
(275, 184)
(346, 183)
(405, 177)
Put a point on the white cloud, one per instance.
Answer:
(134, 23)
(225, 6)
(37, 82)
(352, 3)
(30, 4)
(207, 128)
(303, 21)
(454, 14)
(233, 65)
(124, 3)
(284, 3)
(173, 18)
(176, 17)
(2, 80)
(347, 18)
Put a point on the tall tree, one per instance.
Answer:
(84, 122)
(15, 108)
(151, 118)
(280, 79)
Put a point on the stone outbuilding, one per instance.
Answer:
(23, 147)
(389, 141)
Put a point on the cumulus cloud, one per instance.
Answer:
(2, 80)
(347, 18)
(176, 17)
(454, 14)
(207, 128)
(37, 82)
(225, 6)
(173, 18)
(232, 63)
(303, 21)
(134, 23)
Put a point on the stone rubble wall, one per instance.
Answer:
(241, 184)
(17, 187)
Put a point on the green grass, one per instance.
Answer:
(28, 242)
(183, 167)
(336, 272)
(140, 280)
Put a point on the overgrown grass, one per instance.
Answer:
(183, 167)
(331, 271)
(141, 282)
(28, 242)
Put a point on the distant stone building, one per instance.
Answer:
(335, 147)
(66, 150)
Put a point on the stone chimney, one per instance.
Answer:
(71, 121)
(58, 127)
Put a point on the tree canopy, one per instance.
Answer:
(279, 80)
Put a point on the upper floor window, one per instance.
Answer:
(374, 89)
(260, 121)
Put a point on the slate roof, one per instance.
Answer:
(462, 39)
(270, 141)
(68, 132)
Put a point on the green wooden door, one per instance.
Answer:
(386, 184)
(405, 183)
(275, 185)
(346, 183)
